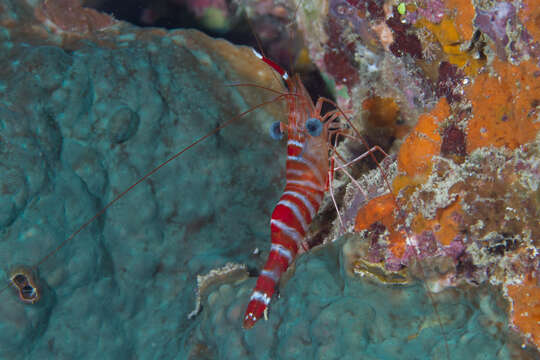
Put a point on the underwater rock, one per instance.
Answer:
(71, 16)
(84, 113)
(324, 313)
(458, 84)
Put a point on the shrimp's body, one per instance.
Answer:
(306, 182)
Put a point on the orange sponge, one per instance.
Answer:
(464, 16)
(381, 209)
(425, 141)
(529, 14)
(504, 106)
(526, 307)
(378, 209)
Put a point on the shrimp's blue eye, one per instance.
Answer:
(275, 131)
(314, 126)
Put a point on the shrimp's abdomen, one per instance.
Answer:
(289, 223)
(282, 253)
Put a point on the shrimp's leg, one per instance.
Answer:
(342, 165)
(360, 157)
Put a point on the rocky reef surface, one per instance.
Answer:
(452, 89)
(444, 265)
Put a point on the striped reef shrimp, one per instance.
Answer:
(309, 173)
(306, 179)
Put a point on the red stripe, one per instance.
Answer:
(286, 216)
(277, 237)
(310, 193)
(265, 285)
(300, 205)
(274, 66)
(275, 259)
(256, 309)
(293, 150)
(307, 174)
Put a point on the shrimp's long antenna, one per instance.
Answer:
(257, 40)
(258, 87)
(259, 44)
(146, 176)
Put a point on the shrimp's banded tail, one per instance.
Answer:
(289, 223)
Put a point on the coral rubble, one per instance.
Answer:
(228, 273)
